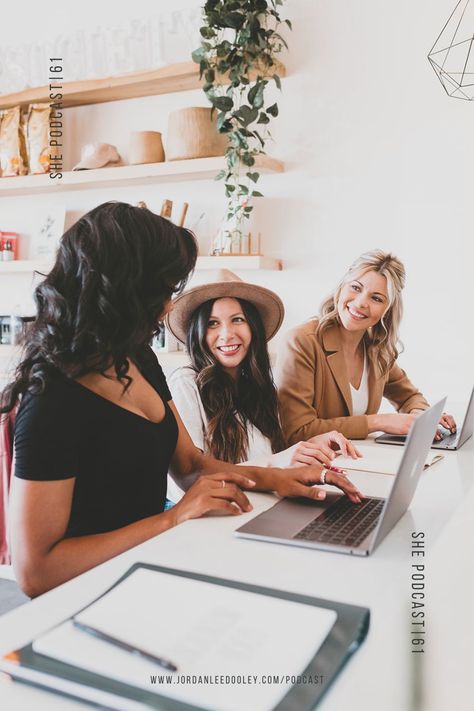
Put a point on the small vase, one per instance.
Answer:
(231, 238)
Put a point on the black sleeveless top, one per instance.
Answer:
(119, 459)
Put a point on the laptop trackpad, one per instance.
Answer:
(287, 517)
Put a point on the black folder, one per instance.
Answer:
(346, 635)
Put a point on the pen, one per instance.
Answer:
(165, 663)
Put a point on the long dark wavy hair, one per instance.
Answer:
(115, 270)
(231, 404)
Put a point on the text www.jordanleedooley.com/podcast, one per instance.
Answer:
(244, 679)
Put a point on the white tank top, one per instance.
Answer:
(360, 395)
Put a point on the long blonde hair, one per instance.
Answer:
(382, 339)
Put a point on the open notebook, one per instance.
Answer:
(216, 632)
(235, 646)
(382, 460)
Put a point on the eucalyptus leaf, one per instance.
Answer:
(234, 20)
(257, 95)
(224, 103)
(253, 93)
(246, 115)
(247, 159)
(223, 66)
(198, 54)
(207, 32)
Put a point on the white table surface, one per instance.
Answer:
(378, 676)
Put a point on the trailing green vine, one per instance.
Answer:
(240, 41)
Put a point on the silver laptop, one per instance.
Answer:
(450, 441)
(338, 525)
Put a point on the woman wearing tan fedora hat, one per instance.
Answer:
(226, 397)
(96, 430)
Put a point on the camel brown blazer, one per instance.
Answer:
(314, 391)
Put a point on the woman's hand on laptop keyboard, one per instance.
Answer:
(400, 423)
(447, 422)
(301, 481)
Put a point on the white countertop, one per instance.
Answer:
(378, 676)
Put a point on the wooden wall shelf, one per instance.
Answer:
(182, 76)
(251, 262)
(127, 175)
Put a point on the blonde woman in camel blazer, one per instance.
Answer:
(332, 372)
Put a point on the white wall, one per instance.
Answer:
(377, 156)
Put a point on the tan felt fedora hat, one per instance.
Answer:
(226, 284)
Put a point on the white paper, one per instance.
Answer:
(380, 458)
(206, 630)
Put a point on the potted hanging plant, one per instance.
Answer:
(237, 59)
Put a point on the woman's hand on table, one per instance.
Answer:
(323, 449)
(219, 493)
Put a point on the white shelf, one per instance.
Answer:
(7, 351)
(127, 175)
(236, 263)
(18, 266)
(245, 262)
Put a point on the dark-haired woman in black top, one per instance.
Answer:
(96, 429)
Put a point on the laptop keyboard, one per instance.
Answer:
(447, 441)
(343, 523)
